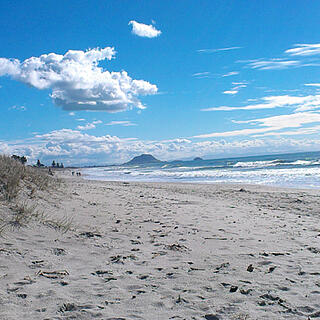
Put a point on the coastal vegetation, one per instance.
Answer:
(20, 190)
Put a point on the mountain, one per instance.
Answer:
(143, 159)
(197, 159)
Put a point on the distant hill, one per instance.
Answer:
(143, 159)
(197, 159)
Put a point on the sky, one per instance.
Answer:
(101, 81)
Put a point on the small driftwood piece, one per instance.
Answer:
(53, 274)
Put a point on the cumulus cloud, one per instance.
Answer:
(75, 136)
(144, 30)
(303, 103)
(73, 147)
(304, 50)
(78, 82)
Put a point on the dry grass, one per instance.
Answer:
(3, 226)
(19, 188)
(14, 176)
(21, 214)
(11, 174)
(63, 224)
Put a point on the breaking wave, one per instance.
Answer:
(289, 171)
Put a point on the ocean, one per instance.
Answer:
(295, 170)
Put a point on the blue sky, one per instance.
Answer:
(91, 82)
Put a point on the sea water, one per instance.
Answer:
(296, 170)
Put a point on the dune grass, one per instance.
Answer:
(11, 174)
(14, 176)
(19, 188)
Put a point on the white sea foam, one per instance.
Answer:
(296, 177)
(258, 164)
(306, 162)
(295, 170)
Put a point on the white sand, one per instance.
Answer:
(166, 251)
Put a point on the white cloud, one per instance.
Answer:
(233, 133)
(235, 89)
(124, 123)
(232, 92)
(301, 131)
(9, 67)
(144, 30)
(217, 50)
(241, 84)
(272, 64)
(312, 84)
(18, 108)
(299, 51)
(77, 82)
(304, 50)
(200, 75)
(270, 124)
(286, 121)
(73, 147)
(89, 126)
(303, 103)
(231, 73)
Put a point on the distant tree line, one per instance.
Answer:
(23, 160)
(53, 165)
(57, 164)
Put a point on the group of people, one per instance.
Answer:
(77, 173)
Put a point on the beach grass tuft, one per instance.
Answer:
(12, 173)
(14, 176)
(20, 186)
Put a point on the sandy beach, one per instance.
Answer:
(165, 251)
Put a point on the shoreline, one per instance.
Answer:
(206, 183)
(231, 184)
(141, 250)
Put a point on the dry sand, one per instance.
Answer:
(166, 251)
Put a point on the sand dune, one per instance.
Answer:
(166, 251)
